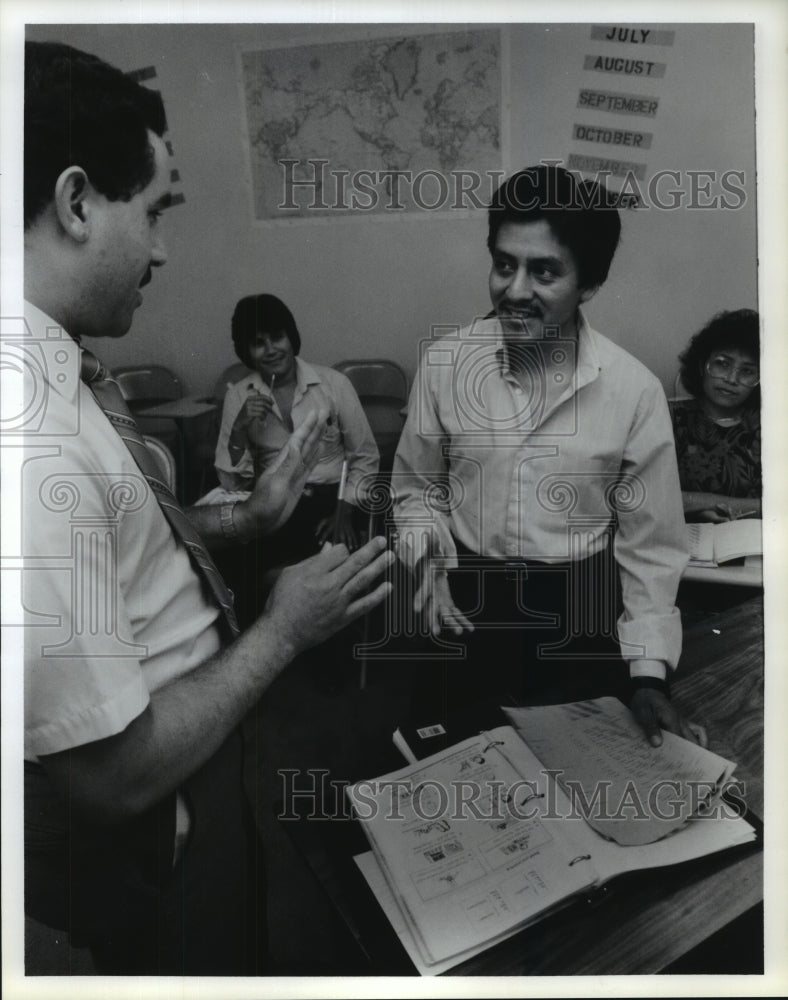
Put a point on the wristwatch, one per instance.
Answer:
(229, 530)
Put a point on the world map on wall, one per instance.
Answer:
(380, 125)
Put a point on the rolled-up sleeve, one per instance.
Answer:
(420, 468)
(361, 451)
(650, 544)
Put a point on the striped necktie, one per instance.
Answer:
(110, 399)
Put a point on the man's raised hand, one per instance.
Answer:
(321, 595)
(279, 487)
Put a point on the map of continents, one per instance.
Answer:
(375, 126)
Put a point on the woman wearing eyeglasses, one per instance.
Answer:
(718, 431)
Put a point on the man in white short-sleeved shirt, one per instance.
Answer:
(137, 835)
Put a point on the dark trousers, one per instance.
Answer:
(544, 634)
(116, 891)
(244, 567)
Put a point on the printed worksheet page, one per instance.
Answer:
(468, 843)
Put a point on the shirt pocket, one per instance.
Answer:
(331, 439)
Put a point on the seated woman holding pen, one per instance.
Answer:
(260, 412)
(718, 431)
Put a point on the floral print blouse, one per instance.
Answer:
(715, 458)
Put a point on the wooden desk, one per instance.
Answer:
(644, 922)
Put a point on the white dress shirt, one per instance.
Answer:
(511, 471)
(347, 434)
(114, 609)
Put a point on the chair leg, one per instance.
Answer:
(362, 679)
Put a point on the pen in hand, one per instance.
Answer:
(727, 512)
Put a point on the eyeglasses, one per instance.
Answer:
(722, 367)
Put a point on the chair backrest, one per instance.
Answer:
(147, 385)
(382, 388)
(376, 378)
(230, 375)
(165, 459)
(679, 392)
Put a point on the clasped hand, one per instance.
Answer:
(256, 406)
(279, 487)
(253, 416)
(717, 514)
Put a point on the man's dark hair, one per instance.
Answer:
(80, 111)
(736, 330)
(581, 214)
(261, 314)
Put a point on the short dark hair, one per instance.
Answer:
(732, 330)
(80, 111)
(581, 214)
(261, 313)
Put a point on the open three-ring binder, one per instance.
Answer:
(491, 835)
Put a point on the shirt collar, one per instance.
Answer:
(55, 355)
(305, 376)
(588, 364)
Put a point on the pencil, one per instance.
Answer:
(340, 498)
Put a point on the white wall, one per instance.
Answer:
(674, 269)
(372, 286)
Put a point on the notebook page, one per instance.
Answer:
(625, 789)
(466, 846)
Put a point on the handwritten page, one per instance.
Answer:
(625, 789)
(487, 837)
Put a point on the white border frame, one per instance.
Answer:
(771, 34)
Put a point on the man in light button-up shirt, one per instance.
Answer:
(530, 436)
